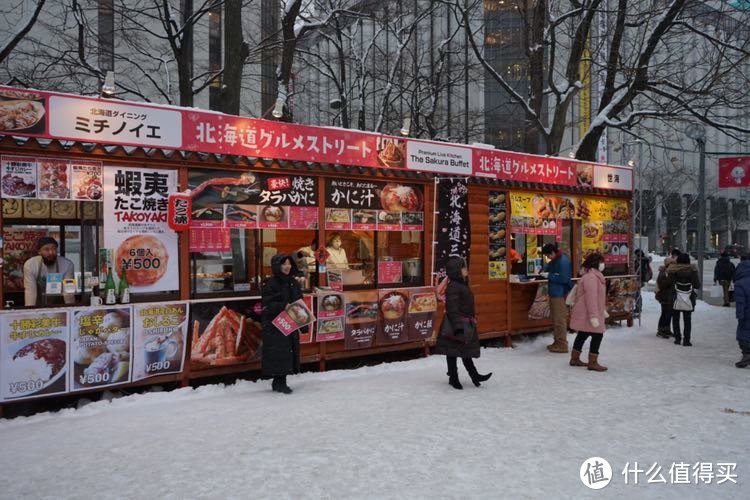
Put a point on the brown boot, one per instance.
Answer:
(594, 365)
(575, 358)
(558, 346)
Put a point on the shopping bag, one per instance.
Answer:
(716, 292)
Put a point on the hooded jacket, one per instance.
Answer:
(591, 302)
(742, 300)
(682, 273)
(280, 352)
(460, 311)
(724, 270)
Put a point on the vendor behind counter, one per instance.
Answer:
(44, 276)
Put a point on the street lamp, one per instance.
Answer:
(697, 132)
(638, 214)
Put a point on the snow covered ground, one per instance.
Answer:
(398, 430)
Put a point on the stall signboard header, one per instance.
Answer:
(106, 121)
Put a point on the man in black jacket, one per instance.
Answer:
(724, 274)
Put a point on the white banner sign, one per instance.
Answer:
(607, 177)
(136, 229)
(113, 122)
(440, 158)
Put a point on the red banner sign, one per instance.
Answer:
(109, 121)
(734, 172)
(179, 208)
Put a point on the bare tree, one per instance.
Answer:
(22, 29)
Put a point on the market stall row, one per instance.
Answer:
(370, 220)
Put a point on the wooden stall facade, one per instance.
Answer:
(502, 303)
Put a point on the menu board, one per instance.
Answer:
(251, 200)
(51, 178)
(159, 336)
(330, 324)
(621, 295)
(376, 206)
(606, 230)
(100, 347)
(225, 333)
(33, 354)
(497, 230)
(361, 319)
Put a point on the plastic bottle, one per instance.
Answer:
(124, 291)
(110, 290)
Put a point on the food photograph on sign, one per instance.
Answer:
(393, 305)
(100, 347)
(423, 302)
(35, 353)
(241, 213)
(400, 198)
(87, 181)
(54, 179)
(21, 111)
(390, 152)
(19, 177)
(585, 174)
(225, 334)
(159, 336)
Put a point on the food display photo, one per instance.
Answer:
(54, 179)
(19, 177)
(390, 152)
(421, 315)
(159, 335)
(295, 316)
(33, 354)
(392, 306)
(101, 344)
(361, 318)
(19, 114)
(86, 180)
(225, 334)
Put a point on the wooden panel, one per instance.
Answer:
(522, 296)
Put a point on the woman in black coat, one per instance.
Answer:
(280, 352)
(458, 332)
(682, 272)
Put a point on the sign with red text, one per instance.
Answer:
(136, 228)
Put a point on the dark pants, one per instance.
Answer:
(666, 317)
(744, 346)
(686, 315)
(725, 290)
(596, 341)
(453, 366)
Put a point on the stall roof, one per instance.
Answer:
(35, 144)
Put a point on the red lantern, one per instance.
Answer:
(179, 209)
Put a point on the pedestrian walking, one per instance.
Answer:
(558, 273)
(724, 275)
(589, 312)
(458, 336)
(683, 281)
(742, 311)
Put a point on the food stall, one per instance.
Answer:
(187, 207)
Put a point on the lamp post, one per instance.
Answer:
(697, 132)
(638, 214)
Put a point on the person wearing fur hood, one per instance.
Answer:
(682, 271)
(589, 312)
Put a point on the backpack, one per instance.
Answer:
(683, 298)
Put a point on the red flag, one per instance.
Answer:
(734, 172)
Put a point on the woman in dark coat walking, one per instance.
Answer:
(458, 332)
(682, 272)
(280, 352)
(742, 312)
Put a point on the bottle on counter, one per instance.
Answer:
(124, 291)
(110, 291)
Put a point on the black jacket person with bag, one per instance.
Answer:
(680, 275)
(458, 336)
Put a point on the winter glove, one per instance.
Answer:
(594, 322)
(544, 274)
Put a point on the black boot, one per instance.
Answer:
(744, 362)
(453, 373)
(686, 340)
(476, 378)
(279, 385)
(677, 338)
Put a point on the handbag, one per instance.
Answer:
(570, 299)
(683, 299)
(447, 330)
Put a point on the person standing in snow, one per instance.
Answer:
(742, 310)
(558, 272)
(680, 274)
(663, 296)
(280, 352)
(458, 332)
(589, 312)
(723, 275)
